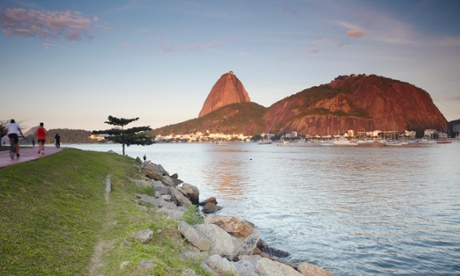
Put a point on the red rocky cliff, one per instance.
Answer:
(360, 103)
(227, 90)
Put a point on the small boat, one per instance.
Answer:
(220, 143)
(284, 143)
(392, 143)
(443, 142)
(344, 142)
(264, 142)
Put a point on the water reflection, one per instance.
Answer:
(225, 171)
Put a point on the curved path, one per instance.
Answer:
(27, 154)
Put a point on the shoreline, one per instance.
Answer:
(223, 244)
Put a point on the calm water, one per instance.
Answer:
(353, 210)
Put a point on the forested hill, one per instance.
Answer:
(70, 136)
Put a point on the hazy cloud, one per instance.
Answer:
(322, 41)
(353, 29)
(45, 24)
(356, 33)
(314, 51)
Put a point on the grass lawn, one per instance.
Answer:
(56, 218)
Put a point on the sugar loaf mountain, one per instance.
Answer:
(358, 102)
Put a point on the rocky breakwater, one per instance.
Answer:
(224, 245)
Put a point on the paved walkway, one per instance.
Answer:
(27, 154)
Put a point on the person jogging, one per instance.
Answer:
(13, 133)
(41, 138)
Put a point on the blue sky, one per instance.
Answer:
(71, 64)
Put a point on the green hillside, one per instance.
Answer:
(245, 118)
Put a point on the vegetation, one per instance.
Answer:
(57, 219)
(130, 136)
(70, 136)
(245, 118)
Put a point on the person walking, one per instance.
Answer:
(13, 133)
(57, 140)
(41, 138)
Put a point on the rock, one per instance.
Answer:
(194, 237)
(158, 169)
(168, 181)
(232, 225)
(143, 236)
(173, 214)
(271, 251)
(192, 193)
(267, 267)
(153, 175)
(210, 208)
(246, 245)
(211, 199)
(181, 199)
(221, 265)
(188, 272)
(146, 265)
(246, 268)
(221, 241)
(166, 198)
(158, 202)
(253, 259)
(124, 265)
(175, 176)
(312, 270)
(227, 90)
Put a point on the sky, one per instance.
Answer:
(71, 64)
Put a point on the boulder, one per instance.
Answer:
(181, 199)
(194, 236)
(211, 199)
(210, 208)
(221, 265)
(232, 225)
(144, 236)
(312, 270)
(191, 192)
(246, 268)
(267, 267)
(221, 241)
(271, 251)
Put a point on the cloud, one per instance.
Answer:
(321, 41)
(356, 33)
(69, 25)
(49, 45)
(353, 29)
(314, 51)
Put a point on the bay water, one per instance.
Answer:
(354, 210)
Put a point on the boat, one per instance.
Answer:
(326, 144)
(264, 142)
(284, 143)
(392, 143)
(220, 143)
(344, 142)
(443, 142)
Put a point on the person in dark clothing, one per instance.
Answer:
(57, 140)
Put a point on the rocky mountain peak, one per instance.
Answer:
(227, 90)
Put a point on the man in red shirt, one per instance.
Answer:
(41, 137)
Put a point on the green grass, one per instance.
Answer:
(56, 219)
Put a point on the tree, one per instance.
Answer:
(130, 136)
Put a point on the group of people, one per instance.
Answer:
(13, 134)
